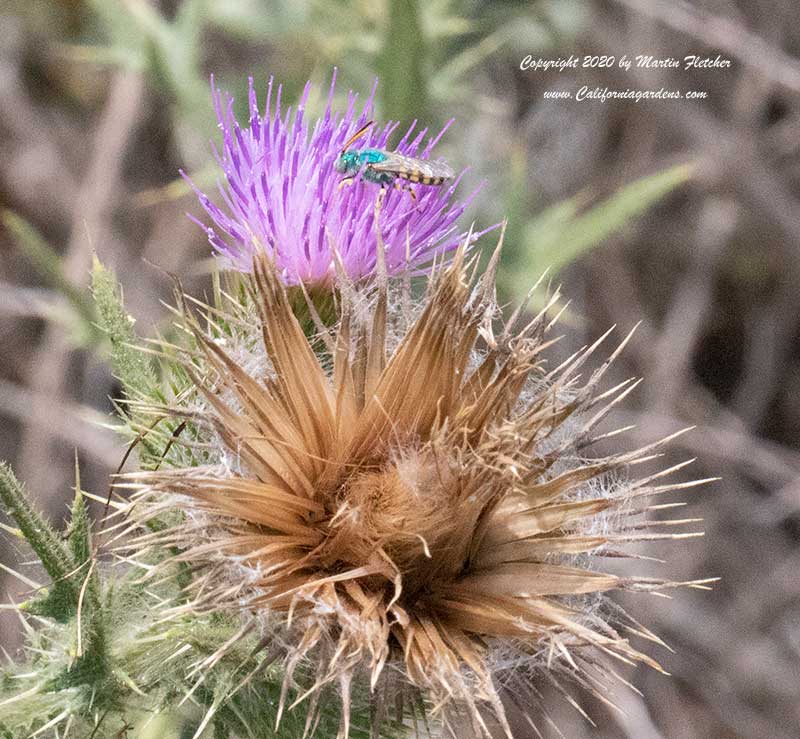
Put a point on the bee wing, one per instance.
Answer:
(402, 165)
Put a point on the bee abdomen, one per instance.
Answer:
(419, 177)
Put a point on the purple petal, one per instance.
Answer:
(281, 193)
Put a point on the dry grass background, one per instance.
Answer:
(86, 144)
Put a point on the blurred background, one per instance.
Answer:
(102, 101)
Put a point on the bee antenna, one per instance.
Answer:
(357, 135)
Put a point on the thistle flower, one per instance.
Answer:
(410, 509)
(282, 195)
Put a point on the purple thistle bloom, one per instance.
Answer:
(282, 194)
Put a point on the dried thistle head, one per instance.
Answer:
(416, 513)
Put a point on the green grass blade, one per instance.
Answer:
(562, 234)
(47, 263)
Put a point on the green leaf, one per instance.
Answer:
(168, 50)
(402, 63)
(47, 263)
(127, 40)
(464, 62)
(79, 532)
(101, 56)
(562, 234)
(129, 364)
(61, 600)
(259, 21)
(178, 188)
(91, 664)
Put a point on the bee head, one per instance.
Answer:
(347, 163)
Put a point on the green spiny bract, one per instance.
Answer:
(153, 666)
(99, 655)
(60, 600)
(120, 663)
(133, 368)
(66, 630)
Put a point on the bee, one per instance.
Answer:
(385, 168)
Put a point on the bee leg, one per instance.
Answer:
(400, 186)
(381, 196)
(346, 181)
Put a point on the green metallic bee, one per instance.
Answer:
(384, 168)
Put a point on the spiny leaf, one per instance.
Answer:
(130, 366)
(62, 599)
(91, 665)
(79, 534)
